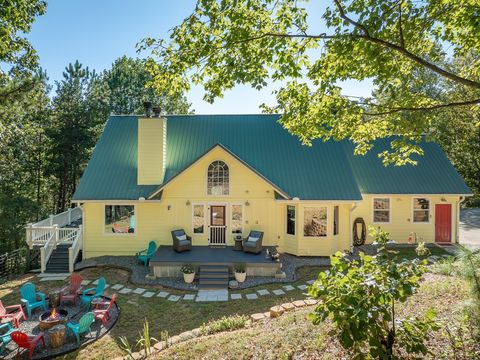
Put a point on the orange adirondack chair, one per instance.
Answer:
(25, 341)
(71, 291)
(102, 310)
(12, 312)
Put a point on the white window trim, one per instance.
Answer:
(229, 178)
(243, 218)
(204, 219)
(106, 233)
(295, 208)
(389, 210)
(327, 232)
(429, 210)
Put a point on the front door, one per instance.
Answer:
(217, 225)
(443, 223)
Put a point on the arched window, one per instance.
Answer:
(218, 179)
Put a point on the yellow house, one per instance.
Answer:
(219, 177)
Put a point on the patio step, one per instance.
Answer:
(213, 277)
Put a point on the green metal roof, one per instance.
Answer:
(324, 171)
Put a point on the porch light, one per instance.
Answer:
(443, 199)
(247, 203)
(169, 207)
(187, 203)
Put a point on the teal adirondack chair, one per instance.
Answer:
(87, 298)
(145, 255)
(31, 298)
(5, 337)
(83, 326)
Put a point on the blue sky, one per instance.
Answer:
(96, 32)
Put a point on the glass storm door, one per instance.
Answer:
(217, 225)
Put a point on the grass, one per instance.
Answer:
(409, 253)
(294, 336)
(162, 315)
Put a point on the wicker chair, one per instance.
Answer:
(253, 246)
(180, 244)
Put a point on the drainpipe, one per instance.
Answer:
(354, 206)
(457, 227)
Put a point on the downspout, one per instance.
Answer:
(457, 226)
(352, 208)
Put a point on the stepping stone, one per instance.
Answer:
(276, 311)
(251, 296)
(148, 294)
(189, 297)
(263, 292)
(139, 291)
(85, 282)
(278, 292)
(125, 291)
(310, 282)
(288, 306)
(288, 287)
(95, 282)
(163, 294)
(302, 287)
(299, 303)
(257, 317)
(53, 278)
(235, 296)
(117, 286)
(174, 298)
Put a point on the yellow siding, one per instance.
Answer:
(151, 150)
(155, 219)
(401, 225)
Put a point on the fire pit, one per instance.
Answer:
(52, 318)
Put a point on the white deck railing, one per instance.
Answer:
(75, 249)
(48, 233)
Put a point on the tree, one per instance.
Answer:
(361, 296)
(126, 82)
(225, 43)
(78, 116)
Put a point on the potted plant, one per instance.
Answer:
(188, 273)
(240, 272)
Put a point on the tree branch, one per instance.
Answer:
(366, 35)
(425, 108)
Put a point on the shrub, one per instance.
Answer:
(226, 323)
(447, 266)
(187, 269)
(360, 296)
(240, 268)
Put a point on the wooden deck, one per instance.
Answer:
(166, 262)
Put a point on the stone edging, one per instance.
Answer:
(274, 312)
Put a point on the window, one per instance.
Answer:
(381, 210)
(218, 179)
(198, 220)
(421, 210)
(315, 221)
(120, 219)
(237, 219)
(290, 219)
(335, 220)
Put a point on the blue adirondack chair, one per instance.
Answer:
(87, 295)
(5, 337)
(83, 326)
(145, 255)
(31, 298)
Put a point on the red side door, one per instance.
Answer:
(443, 223)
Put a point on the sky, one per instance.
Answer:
(96, 32)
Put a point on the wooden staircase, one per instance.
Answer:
(213, 277)
(58, 262)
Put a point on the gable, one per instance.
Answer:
(192, 181)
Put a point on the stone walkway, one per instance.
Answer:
(201, 295)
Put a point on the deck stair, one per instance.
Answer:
(58, 262)
(213, 277)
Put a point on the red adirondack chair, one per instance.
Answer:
(25, 341)
(12, 312)
(71, 291)
(102, 310)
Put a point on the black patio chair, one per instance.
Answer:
(253, 243)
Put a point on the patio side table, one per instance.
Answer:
(56, 335)
(238, 243)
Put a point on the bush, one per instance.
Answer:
(224, 324)
(240, 268)
(447, 266)
(187, 269)
(360, 298)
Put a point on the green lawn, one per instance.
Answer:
(162, 315)
(410, 254)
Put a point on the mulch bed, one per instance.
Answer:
(74, 314)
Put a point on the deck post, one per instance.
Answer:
(29, 239)
(56, 235)
(69, 215)
(51, 219)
